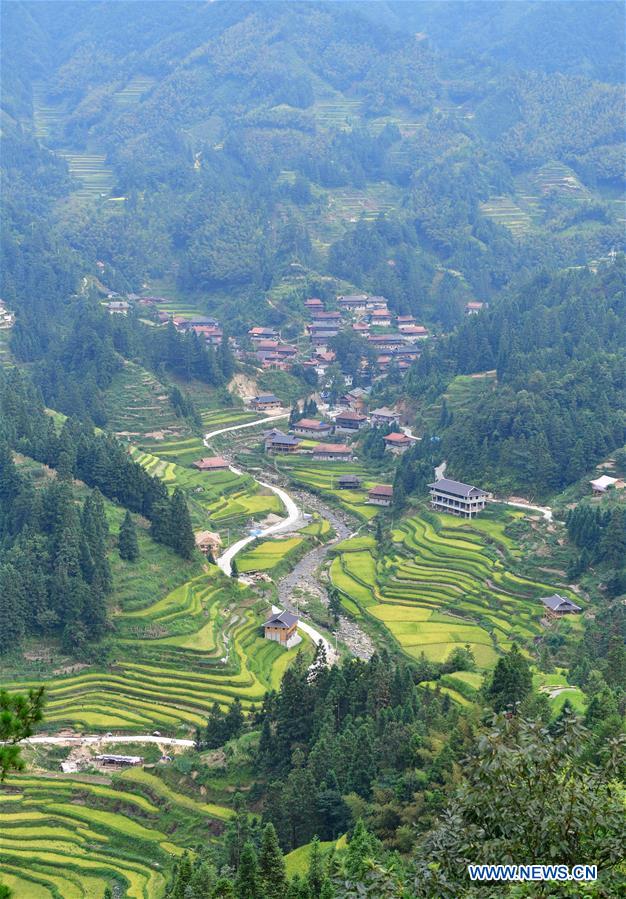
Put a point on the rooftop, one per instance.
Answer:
(311, 423)
(349, 415)
(382, 490)
(332, 448)
(560, 603)
(457, 488)
(397, 438)
(281, 619)
(211, 462)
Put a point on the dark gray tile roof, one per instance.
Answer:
(281, 619)
(457, 488)
(559, 603)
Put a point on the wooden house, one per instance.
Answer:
(332, 452)
(211, 463)
(556, 606)
(384, 416)
(282, 627)
(208, 542)
(265, 401)
(457, 498)
(397, 443)
(312, 427)
(381, 495)
(349, 421)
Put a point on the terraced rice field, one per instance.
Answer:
(323, 477)
(47, 116)
(217, 498)
(132, 93)
(137, 403)
(448, 584)
(91, 171)
(504, 211)
(70, 838)
(268, 554)
(337, 112)
(556, 177)
(201, 643)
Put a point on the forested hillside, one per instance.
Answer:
(269, 270)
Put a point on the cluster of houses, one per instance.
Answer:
(206, 327)
(394, 338)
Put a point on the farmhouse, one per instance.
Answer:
(457, 498)
(350, 421)
(381, 495)
(405, 321)
(312, 427)
(265, 401)
(319, 315)
(414, 332)
(604, 483)
(474, 308)
(118, 307)
(377, 303)
(385, 341)
(7, 319)
(556, 606)
(282, 627)
(277, 442)
(262, 334)
(353, 303)
(120, 761)
(361, 327)
(211, 463)
(355, 398)
(380, 318)
(332, 452)
(348, 482)
(397, 443)
(314, 303)
(384, 416)
(208, 542)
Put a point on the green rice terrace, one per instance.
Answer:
(446, 583)
(71, 837)
(323, 477)
(200, 643)
(219, 498)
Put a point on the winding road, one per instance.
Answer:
(293, 518)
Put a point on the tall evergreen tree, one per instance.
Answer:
(272, 865)
(248, 884)
(127, 544)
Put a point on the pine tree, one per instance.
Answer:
(107, 893)
(511, 681)
(127, 544)
(234, 570)
(234, 720)
(272, 864)
(315, 874)
(181, 531)
(248, 882)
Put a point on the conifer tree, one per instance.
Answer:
(248, 883)
(127, 544)
(234, 570)
(272, 865)
(315, 874)
(181, 531)
(511, 681)
(234, 720)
